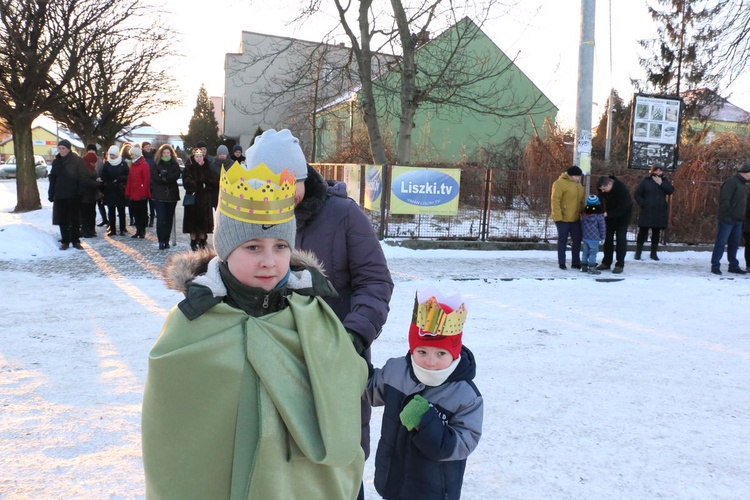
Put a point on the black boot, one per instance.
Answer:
(194, 245)
(638, 251)
(654, 248)
(202, 243)
(151, 221)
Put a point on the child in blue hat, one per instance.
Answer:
(594, 231)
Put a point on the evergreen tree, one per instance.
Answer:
(681, 57)
(203, 125)
(620, 131)
(258, 131)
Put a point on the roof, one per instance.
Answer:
(716, 108)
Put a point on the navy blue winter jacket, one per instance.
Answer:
(335, 229)
(428, 463)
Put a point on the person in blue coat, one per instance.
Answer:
(433, 411)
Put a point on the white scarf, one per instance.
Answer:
(116, 161)
(434, 378)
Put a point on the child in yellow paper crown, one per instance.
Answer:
(239, 399)
(433, 411)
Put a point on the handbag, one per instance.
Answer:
(188, 200)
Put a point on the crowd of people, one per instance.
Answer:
(605, 217)
(260, 384)
(133, 186)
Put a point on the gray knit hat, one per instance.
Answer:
(278, 150)
(256, 200)
(222, 150)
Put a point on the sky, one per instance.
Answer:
(543, 34)
(594, 389)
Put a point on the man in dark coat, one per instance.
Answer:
(651, 196)
(336, 230)
(732, 210)
(618, 206)
(68, 179)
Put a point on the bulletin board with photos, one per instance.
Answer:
(654, 131)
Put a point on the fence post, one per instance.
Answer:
(385, 200)
(484, 224)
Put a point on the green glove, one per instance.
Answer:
(413, 412)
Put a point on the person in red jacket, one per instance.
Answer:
(138, 190)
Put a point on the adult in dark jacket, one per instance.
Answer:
(198, 220)
(114, 178)
(220, 160)
(90, 194)
(165, 192)
(746, 234)
(732, 212)
(618, 206)
(335, 229)
(68, 179)
(651, 196)
(237, 155)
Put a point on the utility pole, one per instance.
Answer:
(608, 142)
(582, 155)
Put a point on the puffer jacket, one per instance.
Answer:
(334, 228)
(567, 199)
(428, 463)
(138, 186)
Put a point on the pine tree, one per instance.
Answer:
(681, 57)
(203, 125)
(619, 134)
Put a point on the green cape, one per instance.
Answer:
(264, 408)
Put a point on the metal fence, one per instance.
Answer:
(513, 205)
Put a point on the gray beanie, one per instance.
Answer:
(222, 150)
(256, 200)
(278, 150)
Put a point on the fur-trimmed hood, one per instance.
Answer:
(203, 268)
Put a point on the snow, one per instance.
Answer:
(632, 389)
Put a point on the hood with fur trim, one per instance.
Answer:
(198, 277)
(203, 268)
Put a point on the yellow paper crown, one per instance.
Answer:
(430, 317)
(257, 195)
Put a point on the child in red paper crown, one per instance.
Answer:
(433, 411)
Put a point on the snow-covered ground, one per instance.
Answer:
(630, 389)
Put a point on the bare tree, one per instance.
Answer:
(42, 46)
(733, 24)
(123, 80)
(441, 74)
(291, 80)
